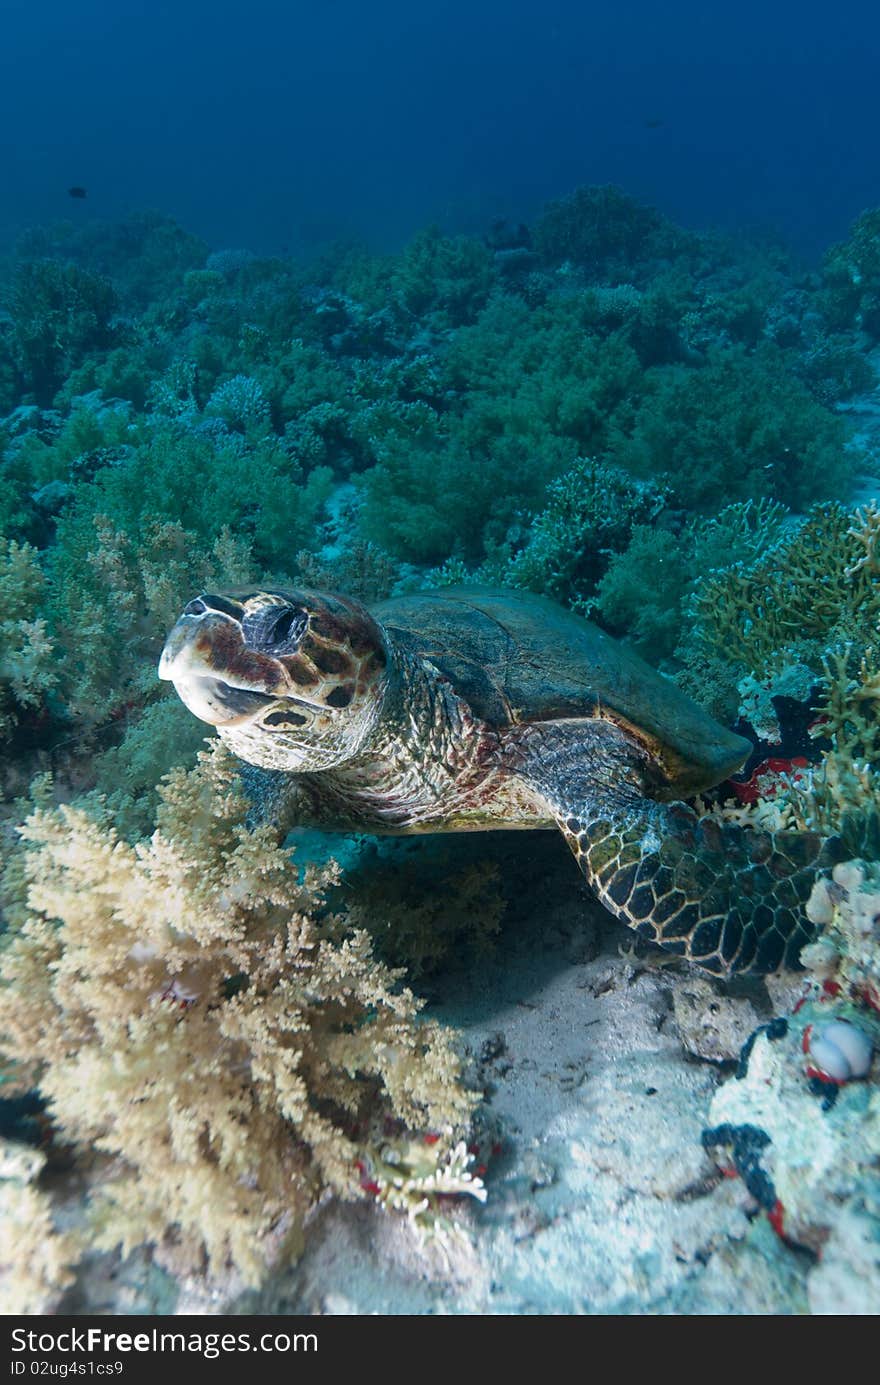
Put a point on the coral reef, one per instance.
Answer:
(602, 407)
(794, 608)
(59, 314)
(603, 229)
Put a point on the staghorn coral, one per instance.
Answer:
(811, 589)
(226, 1054)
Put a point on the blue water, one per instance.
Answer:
(276, 124)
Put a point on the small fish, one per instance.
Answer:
(77, 191)
(653, 122)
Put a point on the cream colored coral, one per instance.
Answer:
(189, 1014)
(35, 1257)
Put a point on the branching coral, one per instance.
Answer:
(814, 588)
(26, 667)
(591, 512)
(185, 1014)
(240, 402)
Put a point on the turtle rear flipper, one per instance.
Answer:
(726, 897)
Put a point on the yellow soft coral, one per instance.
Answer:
(184, 1012)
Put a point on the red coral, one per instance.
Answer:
(767, 778)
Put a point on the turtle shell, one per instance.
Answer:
(515, 657)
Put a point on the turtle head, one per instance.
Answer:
(292, 680)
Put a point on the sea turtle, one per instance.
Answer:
(465, 710)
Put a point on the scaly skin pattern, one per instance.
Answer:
(430, 766)
(726, 897)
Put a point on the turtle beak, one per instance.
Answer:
(211, 698)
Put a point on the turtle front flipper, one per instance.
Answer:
(726, 897)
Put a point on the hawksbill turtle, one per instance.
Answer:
(466, 710)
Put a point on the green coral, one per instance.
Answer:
(27, 671)
(739, 428)
(814, 588)
(59, 313)
(602, 228)
(850, 297)
(127, 776)
(155, 526)
(590, 514)
(442, 275)
(643, 589)
(543, 379)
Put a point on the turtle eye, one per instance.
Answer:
(284, 627)
(275, 630)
